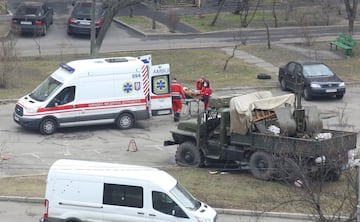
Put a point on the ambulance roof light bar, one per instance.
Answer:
(67, 67)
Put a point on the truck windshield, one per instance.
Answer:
(185, 198)
(45, 89)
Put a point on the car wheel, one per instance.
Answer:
(125, 121)
(188, 155)
(283, 85)
(48, 126)
(339, 96)
(262, 165)
(307, 93)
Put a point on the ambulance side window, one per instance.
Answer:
(160, 84)
(123, 195)
(66, 95)
(163, 203)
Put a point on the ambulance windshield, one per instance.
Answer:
(45, 89)
(185, 198)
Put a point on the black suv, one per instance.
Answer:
(32, 17)
(312, 78)
(80, 19)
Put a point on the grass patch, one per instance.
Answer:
(143, 23)
(186, 64)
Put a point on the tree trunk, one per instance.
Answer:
(222, 2)
(351, 10)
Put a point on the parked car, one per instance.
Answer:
(32, 17)
(314, 79)
(80, 19)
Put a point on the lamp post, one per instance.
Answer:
(92, 31)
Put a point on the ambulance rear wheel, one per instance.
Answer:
(125, 121)
(48, 126)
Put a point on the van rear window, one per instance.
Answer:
(123, 195)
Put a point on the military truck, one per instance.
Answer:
(270, 135)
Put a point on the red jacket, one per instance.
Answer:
(205, 92)
(177, 91)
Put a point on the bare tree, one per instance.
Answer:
(273, 12)
(113, 7)
(221, 5)
(326, 9)
(8, 59)
(351, 11)
(247, 12)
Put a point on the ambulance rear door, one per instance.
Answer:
(160, 89)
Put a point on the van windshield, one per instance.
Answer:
(45, 89)
(185, 198)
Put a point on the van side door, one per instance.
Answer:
(124, 202)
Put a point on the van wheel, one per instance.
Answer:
(125, 121)
(48, 126)
(262, 165)
(188, 155)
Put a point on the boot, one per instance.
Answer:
(177, 117)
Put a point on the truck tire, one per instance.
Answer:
(188, 155)
(48, 126)
(333, 174)
(286, 170)
(262, 165)
(125, 121)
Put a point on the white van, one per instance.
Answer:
(93, 191)
(116, 90)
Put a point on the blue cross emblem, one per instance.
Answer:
(128, 87)
(161, 84)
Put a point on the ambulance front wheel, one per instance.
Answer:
(125, 121)
(48, 126)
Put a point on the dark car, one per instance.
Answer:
(314, 79)
(80, 19)
(32, 17)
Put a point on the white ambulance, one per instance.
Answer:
(94, 191)
(116, 90)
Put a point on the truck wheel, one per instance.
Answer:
(286, 170)
(125, 121)
(262, 165)
(333, 174)
(48, 126)
(188, 155)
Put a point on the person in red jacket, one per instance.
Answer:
(205, 92)
(177, 93)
